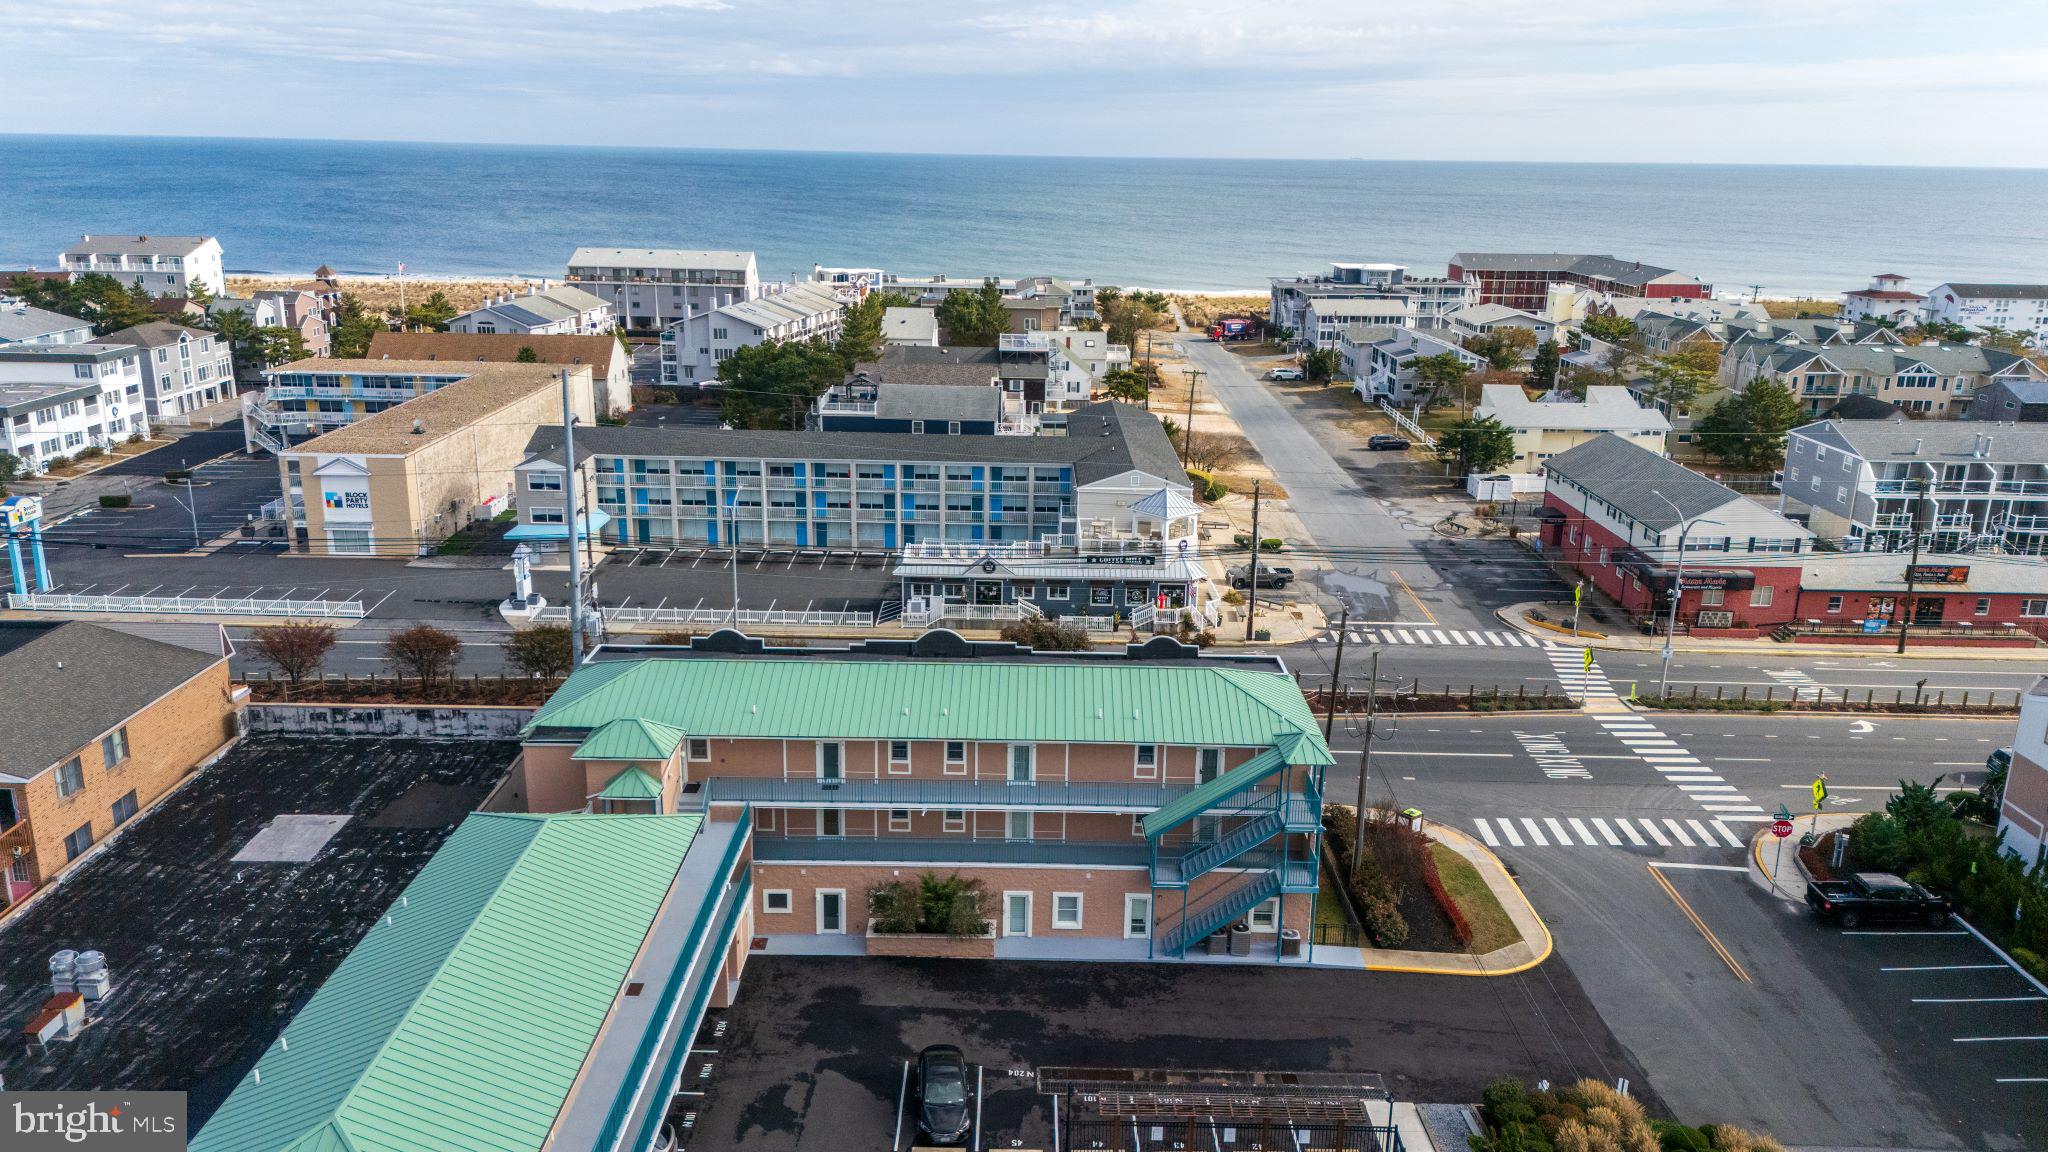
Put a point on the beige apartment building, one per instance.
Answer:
(397, 483)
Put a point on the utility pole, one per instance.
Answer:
(1251, 578)
(1372, 698)
(575, 555)
(1906, 605)
(1187, 430)
(1336, 676)
(732, 536)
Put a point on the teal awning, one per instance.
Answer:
(1245, 776)
(632, 739)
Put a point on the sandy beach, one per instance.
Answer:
(381, 293)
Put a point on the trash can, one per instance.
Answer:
(1413, 816)
(1290, 942)
(1240, 939)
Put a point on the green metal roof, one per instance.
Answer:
(1189, 805)
(630, 739)
(460, 1021)
(1112, 703)
(632, 784)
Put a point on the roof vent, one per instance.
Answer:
(419, 427)
(1915, 451)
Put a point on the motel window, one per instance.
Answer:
(700, 748)
(917, 427)
(1761, 596)
(2034, 607)
(1066, 909)
(956, 757)
(1023, 769)
(1266, 917)
(899, 756)
(954, 820)
(114, 747)
(1834, 604)
(1147, 766)
(1983, 605)
(1137, 825)
(70, 777)
(776, 900)
(1017, 826)
(899, 819)
(548, 516)
(544, 481)
(79, 840)
(125, 808)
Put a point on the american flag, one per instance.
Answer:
(401, 269)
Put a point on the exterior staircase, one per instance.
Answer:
(1216, 853)
(1221, 909)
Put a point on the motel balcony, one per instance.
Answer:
(936, 795)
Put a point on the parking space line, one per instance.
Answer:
(1943, 968)
(902, 1102)
(1997, 1039)
(1881, 932)
(1712, 940)
(977, 1107)
(2021, 1080)
(1978, 999)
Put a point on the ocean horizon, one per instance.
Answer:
(287, 206)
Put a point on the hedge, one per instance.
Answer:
(116, 500)
(1461, 928)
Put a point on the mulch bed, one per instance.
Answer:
(1429, 930)
(506, 692)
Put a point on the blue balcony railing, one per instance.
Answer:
(959, 849)
(939, 794)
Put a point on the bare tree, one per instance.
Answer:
(427, 652)
(542, 650)
(294, 649)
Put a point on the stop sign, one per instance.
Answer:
(1781, 828)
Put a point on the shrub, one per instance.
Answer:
(133, 438)
(541, 650)
(1679, 1138)
(178, 475)
(1371, 888)
(1233, 597)
(1266, 543)
(1878, 843)
(1206, 487)
(1461, 928)
(116, 500)
(1044, 635)
(950, 905)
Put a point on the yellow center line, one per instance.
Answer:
(1419, 605)
(1713, 941)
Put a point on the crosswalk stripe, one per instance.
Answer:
(1407, 639)
(1706, 788)
(1726, 808)
(1492, 638)
(1706, 838)
(1580, 827)
(1459, 638)
(1507, 829)
(1606, 833)
(1557, 830)
(1486, 832)
(1733, 842)
(1440, 637)
(1678, 832)
(1357, 639)
(1535, 833)
(1650, 826)
(1628, 830)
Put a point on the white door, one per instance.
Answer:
(1016, 913)
(831, 912)
(1137, 917)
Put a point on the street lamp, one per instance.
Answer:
(1685, 528)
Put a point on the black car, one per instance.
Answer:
(940, 1084)
(1388, 442)
(1875, 898)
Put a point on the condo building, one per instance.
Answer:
(651, 288)
(159, 265)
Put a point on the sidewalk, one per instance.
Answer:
(1779, 872)
(1516, 616)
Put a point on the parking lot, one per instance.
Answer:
(785, 579)
(813, 1056)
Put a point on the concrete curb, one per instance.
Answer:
(1511, 615)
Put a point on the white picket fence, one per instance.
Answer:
(61, 602)
(721, 617)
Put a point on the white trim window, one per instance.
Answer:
(956, 758)
(777, 901)
(1023, 764)
(700, 749)
(1145, 762)
(1066, 911)
(899, 819)
(1265, 917)
(899, 757)
(953, 820)
(1018, 826)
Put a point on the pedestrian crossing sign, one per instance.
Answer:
(1578, 592)
(1587, 661)
(1820, 791)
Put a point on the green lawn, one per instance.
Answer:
(1491, 927)
(1330, 910)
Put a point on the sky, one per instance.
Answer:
(1901, 82)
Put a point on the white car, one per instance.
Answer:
(1285, 374)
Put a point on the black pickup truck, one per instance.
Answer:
(1875, 898)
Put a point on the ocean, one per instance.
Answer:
(290, 205)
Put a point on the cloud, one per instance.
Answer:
(1309, 77)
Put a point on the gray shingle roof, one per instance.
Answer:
(1938, 440)
(1630, 478)
(23, 322)
(920, 364)
(132, 245)
(153, 334)
(86, 680)
(1999, 291)
(1599, 267)
(1103, 439)
(938, 402)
